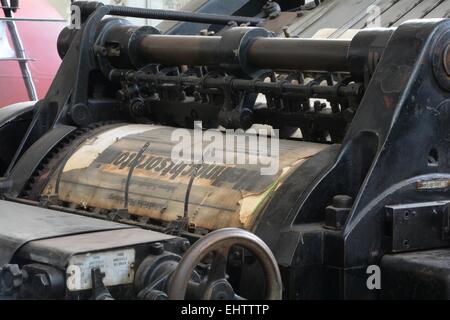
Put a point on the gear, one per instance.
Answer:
(34, 188)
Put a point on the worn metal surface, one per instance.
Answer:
(58, 251)
(222, 195)
(21, 224)
(421, 275)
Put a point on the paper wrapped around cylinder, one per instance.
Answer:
(96, 174)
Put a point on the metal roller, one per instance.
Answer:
(96, 174)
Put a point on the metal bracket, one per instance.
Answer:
(418, 226)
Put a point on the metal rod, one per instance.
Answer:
(32, 20)
(300, 54)
(281, 88)
(264, 53)
(20, 53)
(178, 50)
(16, 59)
(181, 16)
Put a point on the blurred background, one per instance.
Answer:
(38, 24)
(63, 5)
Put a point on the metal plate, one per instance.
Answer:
(408, 222)
(59, 251)
(20, 224)
(118, 267)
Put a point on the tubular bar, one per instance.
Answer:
(20, 53)
(300, 54)
(272, 53)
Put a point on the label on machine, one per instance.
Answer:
(118, 267)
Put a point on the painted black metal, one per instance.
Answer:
(406, 222)
(69, 91)
(421, 275)
(401, 122)
(12, 112)
(34, 156)
(14, 121)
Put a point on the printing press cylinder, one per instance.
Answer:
(133, 167)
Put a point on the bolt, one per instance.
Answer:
(157, 248)
(11, 277)
(342, 201)
(337, 213)
(185, 245)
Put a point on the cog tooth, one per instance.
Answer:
(46, 164)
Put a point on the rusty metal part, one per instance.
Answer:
(220, 243)
(94, 174)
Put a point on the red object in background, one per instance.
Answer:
(39, 40)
